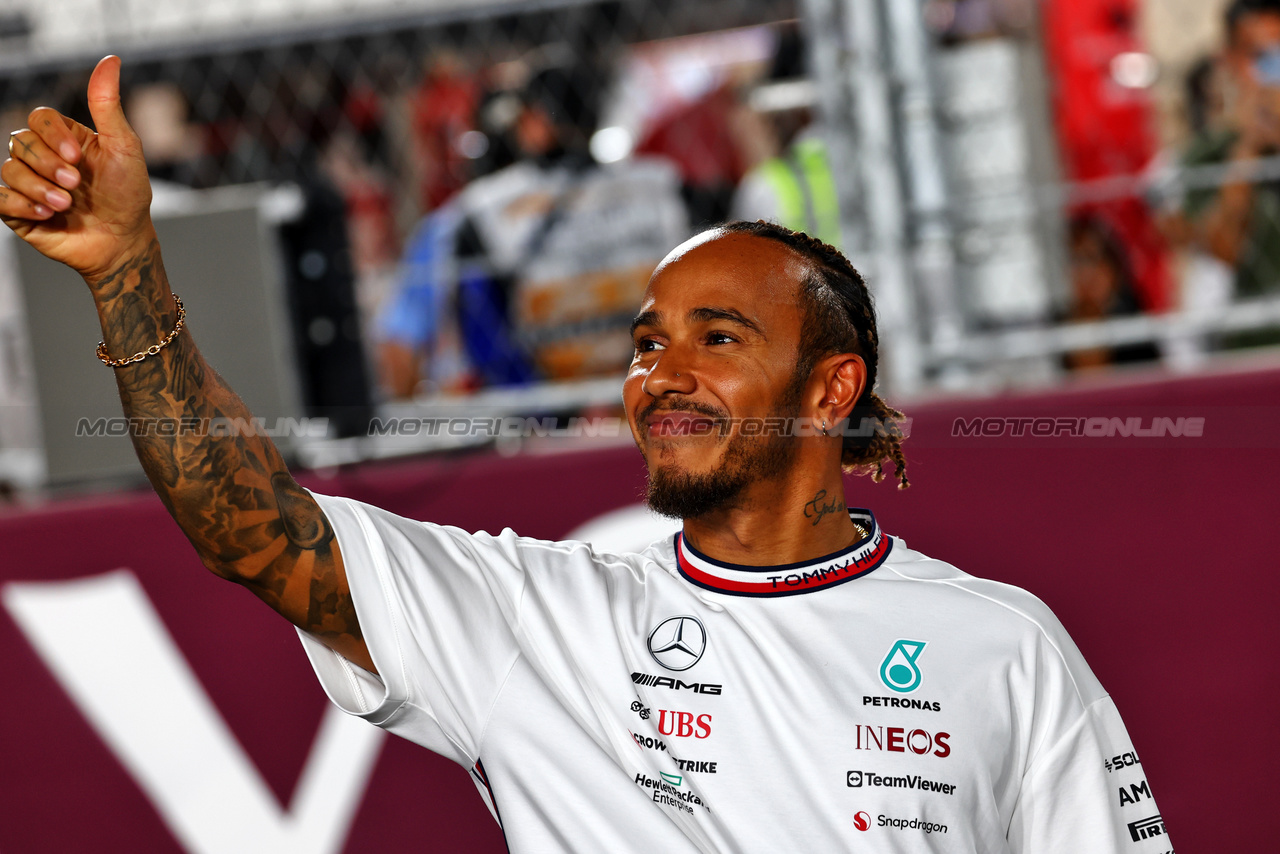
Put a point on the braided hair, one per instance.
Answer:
(839, 317)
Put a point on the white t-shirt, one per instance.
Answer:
(874, 700)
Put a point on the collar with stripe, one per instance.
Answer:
(787, 579)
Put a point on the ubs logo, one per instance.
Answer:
(678, 642)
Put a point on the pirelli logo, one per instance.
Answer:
(1146, 828)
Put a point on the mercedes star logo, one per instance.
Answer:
(678, 642)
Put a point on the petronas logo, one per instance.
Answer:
(898, 671)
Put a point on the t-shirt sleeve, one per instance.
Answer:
(1087, 792)
(437, 608)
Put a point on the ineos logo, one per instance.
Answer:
(678, 642)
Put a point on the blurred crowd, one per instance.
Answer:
(610, 166)
(499, 220)
(555, 197)
(1195, 229)
(493, 222)
(1229, 225)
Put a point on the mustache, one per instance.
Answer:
(718, 415)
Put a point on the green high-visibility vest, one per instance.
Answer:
(806, 190)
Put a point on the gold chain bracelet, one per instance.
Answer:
(150, 351)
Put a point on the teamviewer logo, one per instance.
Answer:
(854, 779)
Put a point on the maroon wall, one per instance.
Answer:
(1158, 554)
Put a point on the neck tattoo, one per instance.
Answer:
(820, 505)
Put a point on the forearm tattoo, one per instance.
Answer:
(229, 490)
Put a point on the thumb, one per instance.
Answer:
(104, 102)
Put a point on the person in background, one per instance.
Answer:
(796, 187)
(716, 137)
(443, 110)
(1238, 221)
(174, 145)
(417, 333)
(531, 269)
(703, 138)
(1101, 287)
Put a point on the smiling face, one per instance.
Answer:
(717, 341)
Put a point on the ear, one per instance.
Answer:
(844, 377)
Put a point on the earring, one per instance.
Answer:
(824, 426)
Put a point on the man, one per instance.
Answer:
(781, 676)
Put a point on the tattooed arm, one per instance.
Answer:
(83, 198)
(247, 517)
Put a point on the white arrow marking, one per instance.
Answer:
(106, 645)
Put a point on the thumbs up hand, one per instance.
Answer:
(80, 197)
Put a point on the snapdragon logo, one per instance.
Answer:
(911, 824)
(862, 821)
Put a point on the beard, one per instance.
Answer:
(682, 494)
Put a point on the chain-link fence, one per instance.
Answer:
(1033, 188)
